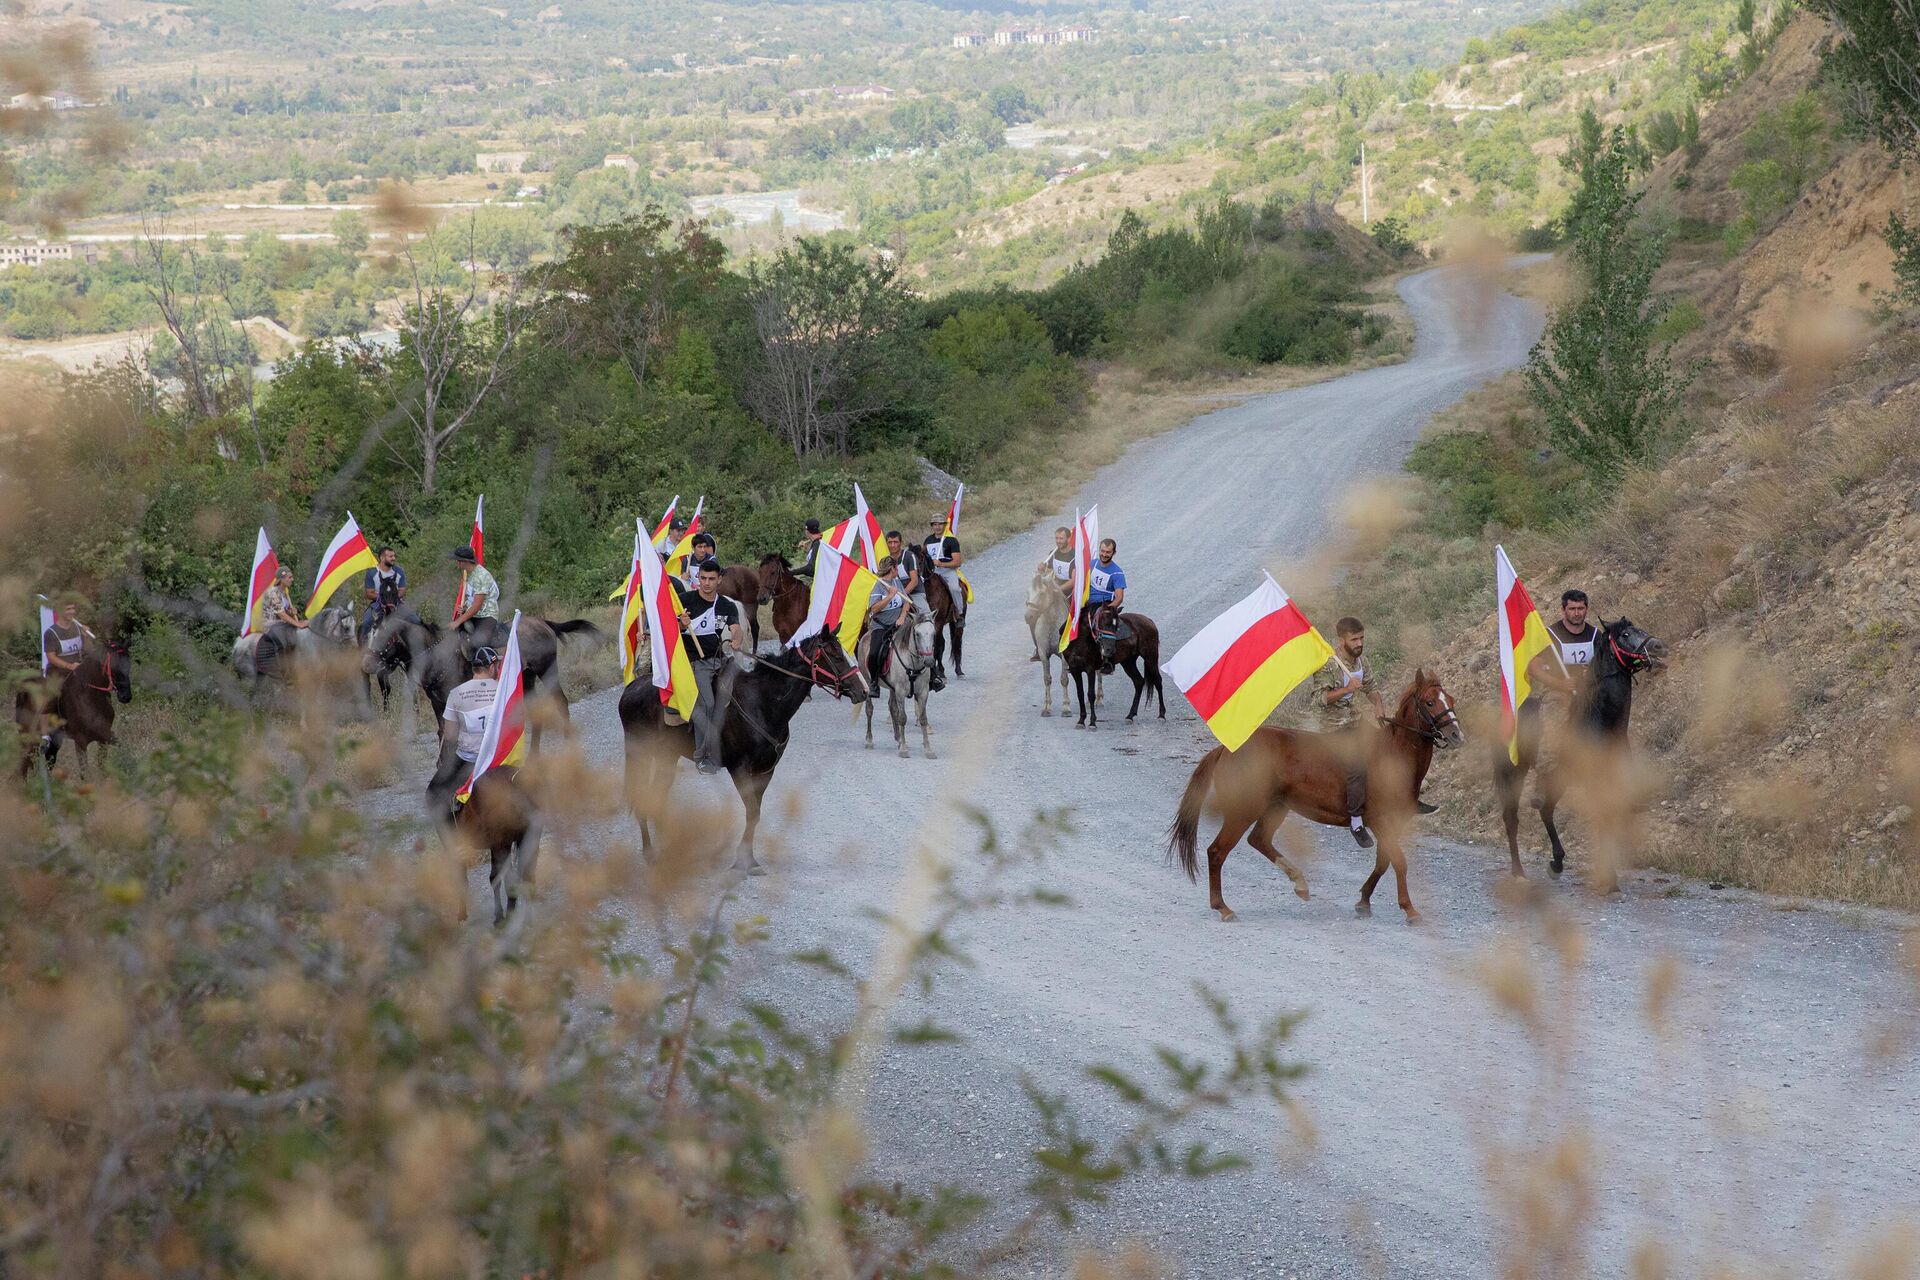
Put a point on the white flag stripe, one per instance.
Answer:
(261, 550)
(1200, 654)
(863, 521)
(46, 622)
(653, 577)
(509, 680)
(627, 655)
(348, 532)
(826, 572)
(1503, 579)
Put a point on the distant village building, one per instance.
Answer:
(61, 101)
(861, 92)
(969, 39)
(1011, 35)
(528, 193)
(1078, 35)
(500, 161)
(31, 253)
(620, 160)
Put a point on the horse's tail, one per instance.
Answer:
(1183, 837)
(572, 626)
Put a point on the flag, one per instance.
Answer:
(861, 529)
(504, 741)
(1086, 536)
(841, 588)
(479, 541)
(1240, 666)
(1523, 637)
(677, 562)
(266, 567)
(953, 531)
(665, 527)
(672, 668)
(346, 555)
(631, 611)
(46, 625)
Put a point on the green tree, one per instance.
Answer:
(350, 231)
(1877, 57)
(1604, 384)
(1009, 102)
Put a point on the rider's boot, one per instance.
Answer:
(939, 680)
(1356, 807)
(1423, 808)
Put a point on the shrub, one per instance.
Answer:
(1905, 243)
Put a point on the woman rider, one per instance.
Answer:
(276, 602)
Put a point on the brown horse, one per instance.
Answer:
(500, 817)
(948, 619)
(1280, 769)
(786, 591)
(77, 708)
(740, 584)
(1130, 652)
(1598, 719)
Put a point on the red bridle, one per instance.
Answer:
(106, 667)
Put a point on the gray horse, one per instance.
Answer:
(908, 674)
(278, 651)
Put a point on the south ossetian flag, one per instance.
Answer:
(266, 567)
(1244, 662)
(953, 531)
(1086, 536)
(672, 668)
(861, 529)
(1523, 637)
(346, 555)
(838, 605)
(504, 740)
(677, 562)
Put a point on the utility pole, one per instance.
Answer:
(1364, 219)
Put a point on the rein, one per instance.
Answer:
(1627, 658)
(1431, 733)
(106, 667)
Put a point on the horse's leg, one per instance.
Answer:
(752, 789)
(870, 703)
(1046, 683)
(1159, 686)
(1364, 907)
(1551, 788)
(1261, 838)
(897, 712)
(526, 854)
(1080, 698)
(1232, 827)
(1509, 782)
(497, 876)
(1132, 668)
(926, 729)
(959, 637)
(1398, 856)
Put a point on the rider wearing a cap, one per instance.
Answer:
(808, 550)
(942, 552)
(479, 593)
(462, 726)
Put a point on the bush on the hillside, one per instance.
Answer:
(1390, 233)
(1904, 240)
(1876, 58)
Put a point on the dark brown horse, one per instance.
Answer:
(440, 661)
(75, 707)
(786, 592)
(740, 584)
(948, 620)
(1277, 770)
(1597, 722)
(753, 734)
(1132, 653)
(499, 817)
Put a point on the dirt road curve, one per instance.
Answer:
(1761, 1129)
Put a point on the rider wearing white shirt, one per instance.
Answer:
(463, 726)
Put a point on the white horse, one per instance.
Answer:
(1046, 615)
(908, 676)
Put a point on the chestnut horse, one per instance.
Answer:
(1085, 660)
(1598, 718)
(786, 591)
(1280, 769)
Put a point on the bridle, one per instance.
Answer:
(106, 666)
(1434, 729)
(1631, 661)
(819, 674)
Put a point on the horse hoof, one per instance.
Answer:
(931, 755)
(1046, 714)
(869, 746)
(1555, 868)
(1226, 915)
(1300, 892)
(905, 754)
(1362, 909)
(1414, 917)
(1081, 725)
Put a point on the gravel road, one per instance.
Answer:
(1758, 1127)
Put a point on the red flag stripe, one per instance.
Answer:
(1244, 657)
(354, 546)
(1518, 605)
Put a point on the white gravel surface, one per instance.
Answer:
(1760, 1129)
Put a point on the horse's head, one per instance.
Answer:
(1043, 585)
(1427, 709)
(335, 626)
(387, 648)
(1634, 649)
(774, 571)
(118, 662)
(924, 635)
(829, 669)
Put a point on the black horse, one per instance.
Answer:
(439, 662)
(77, 706)
(1597, 720)
(1140, 649)
(753, 734)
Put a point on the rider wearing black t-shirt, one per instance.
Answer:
(709, 622)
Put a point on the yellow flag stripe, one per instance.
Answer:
(1257, 696)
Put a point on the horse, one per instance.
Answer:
(908, 676)
(786, 591)
(753, 732)
(1046, 615)
(948, 619)
(499, 816)
(1085, 659)
(439, 661)
(1597, 719)
(740, 584)
(277, 651)
(1277, 770)
(77, 705)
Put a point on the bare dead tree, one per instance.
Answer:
(443, 337)
(176, 287)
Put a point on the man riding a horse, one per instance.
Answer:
(887, 603)
(62, 643)
(1346, 696)
(1106, 596)
(711, 625)
(463, 726)
(808, 550)
(385, 589)
(478, 613)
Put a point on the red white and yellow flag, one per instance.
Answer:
(504, 740)
(842, 587)
(1244, 662)
(479, 539)
(346, 555)
(677, 562)
(862, 529)
(665, 527)
(266, 567)
(672, 668)
(953, 531)
(46, 625)
(1523, 637)
(1086, 538)
(632, 611)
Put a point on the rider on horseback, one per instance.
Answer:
(887, 603)
(1106, 593)
(906, 565)
(942, 552)
(1337, 688)
(385, 587)
(479, 611)
(808, 551)
(464, 723)
(711, 624)
(1574, 638)
(65, 641)
(702, 551)
(276, 602)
